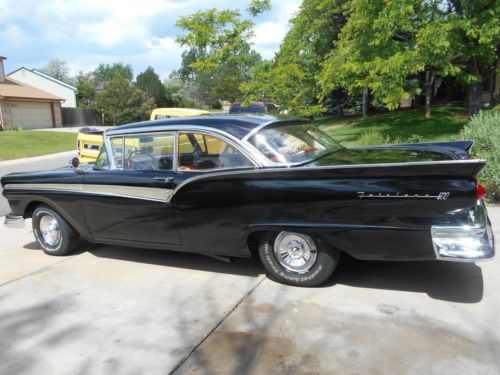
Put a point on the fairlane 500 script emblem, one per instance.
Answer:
(440, 197)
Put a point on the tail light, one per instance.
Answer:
(480, 191)
(78, 146)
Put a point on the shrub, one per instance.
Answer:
(373, 138)
(484, 128)
(415, 138)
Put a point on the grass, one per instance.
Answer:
(26, 143)
(445, 124)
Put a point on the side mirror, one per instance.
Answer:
(75, 162)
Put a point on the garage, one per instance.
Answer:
(31, 115)
(24, 106)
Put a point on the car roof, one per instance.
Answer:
(236, 125)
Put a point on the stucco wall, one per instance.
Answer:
(4, 107)
(42, 83)
(58, 115)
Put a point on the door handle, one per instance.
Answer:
(167, 181)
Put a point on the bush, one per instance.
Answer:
(373, 138)
(415, 138)
(484, 128)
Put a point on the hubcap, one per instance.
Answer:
(294, 251)
(49, 228)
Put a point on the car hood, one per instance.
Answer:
(403, 153)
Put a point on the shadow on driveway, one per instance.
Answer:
(447, 281)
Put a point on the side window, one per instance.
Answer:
(117, 146)
(204, 152)
(149, 152)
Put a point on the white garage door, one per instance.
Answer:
(31, 115)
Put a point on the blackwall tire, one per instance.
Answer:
(314, 273)
(54, 235)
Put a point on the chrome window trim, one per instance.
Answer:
(238, 147)
(256, 156)
(250, 152)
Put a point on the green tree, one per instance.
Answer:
(121, 102)
(313, 32)
(106, 72)
(257, 7)
(86, 90)
(149, 82)
(475, 26)
(58, 69)
(219, 57)
(384, 46)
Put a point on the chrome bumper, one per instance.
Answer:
(14, 221)
(470, 242)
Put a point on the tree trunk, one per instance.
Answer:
(491, 89)
(429, 88)
(366, 102)
(475, 89)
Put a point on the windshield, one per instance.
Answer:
(294, 143)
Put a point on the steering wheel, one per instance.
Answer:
(152, 164)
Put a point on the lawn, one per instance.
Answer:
(445, 124)
(26, 143)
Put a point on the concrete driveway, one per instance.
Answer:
(131, 311)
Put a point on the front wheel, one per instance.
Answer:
(52, 232)
(297, 259)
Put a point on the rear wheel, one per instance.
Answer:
(52, 232)
(297, 259)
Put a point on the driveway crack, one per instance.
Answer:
(217, 325)
(34, 272)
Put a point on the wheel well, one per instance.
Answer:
(253, 241)
(30, 208)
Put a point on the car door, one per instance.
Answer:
(131, 200)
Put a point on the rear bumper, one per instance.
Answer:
(470, 242)
(14, 221)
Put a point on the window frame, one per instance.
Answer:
(175, 161)
(218, 136)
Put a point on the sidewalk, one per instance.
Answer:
(66, 154)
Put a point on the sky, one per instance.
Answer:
(84, 33)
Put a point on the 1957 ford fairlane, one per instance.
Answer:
(237, 186)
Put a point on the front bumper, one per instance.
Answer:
(14, 221)
(470, 242)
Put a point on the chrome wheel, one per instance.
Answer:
(294, 251)
(50, 231)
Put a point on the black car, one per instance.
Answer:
(257, 107)
(284, 190)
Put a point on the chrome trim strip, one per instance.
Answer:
(130, 192)
(14, 221)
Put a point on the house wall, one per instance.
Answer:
(5, 109)
(58, 115)
(42, 83)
